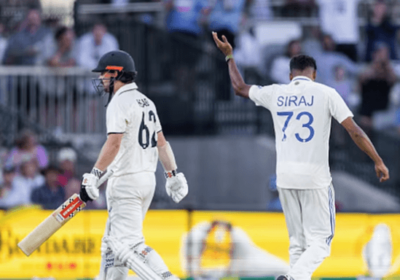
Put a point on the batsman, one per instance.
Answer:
(134, 144)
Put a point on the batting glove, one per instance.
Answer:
(176, 186)
(89, 188)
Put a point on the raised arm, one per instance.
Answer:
(238, 84)
(364, 143)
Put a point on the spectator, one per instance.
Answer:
(343, 85)
(27, 146)
(328, 59)
(7, 198)
(24, 47)
(248, 54)
(63, 53)
(380, 29)
(73, 186)
(3, 42)
(28, 179)
(339, 18)
(50, 195)
(184, 16)
(225, 18)
(260, 10)
(280, 66)
(66, 160)
(13, 20)
(183, 21)
(311, 43)
(375, 83)
(94, 45)
(296, 8)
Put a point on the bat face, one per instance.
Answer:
(51, 224)
(56, 220)
(69, 208)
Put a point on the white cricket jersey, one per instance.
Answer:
(301, 112)
(133, 114)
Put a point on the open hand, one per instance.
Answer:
(223, 45)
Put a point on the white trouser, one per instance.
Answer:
(128, 199)
(310, 219)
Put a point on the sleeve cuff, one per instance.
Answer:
(348, 116)
(253, 94)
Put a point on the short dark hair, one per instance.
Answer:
(60, 32)
(302, 62)
(127, 77)
(50, 168)
(8, 169)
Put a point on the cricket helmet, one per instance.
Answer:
(118, 61)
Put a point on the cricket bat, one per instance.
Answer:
(55, 221)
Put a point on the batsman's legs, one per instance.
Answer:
(110, 269)
(125, 225)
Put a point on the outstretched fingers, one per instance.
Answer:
(215, 37)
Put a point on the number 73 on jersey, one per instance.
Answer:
(306, 118)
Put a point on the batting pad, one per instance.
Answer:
(141, 269)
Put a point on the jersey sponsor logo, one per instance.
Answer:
(143, 102)
(287, 101)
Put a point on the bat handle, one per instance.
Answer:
(105, 177)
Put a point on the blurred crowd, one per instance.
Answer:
(27, 176)
(34, 43)
(358, 60)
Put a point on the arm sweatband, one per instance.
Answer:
(167, 157)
